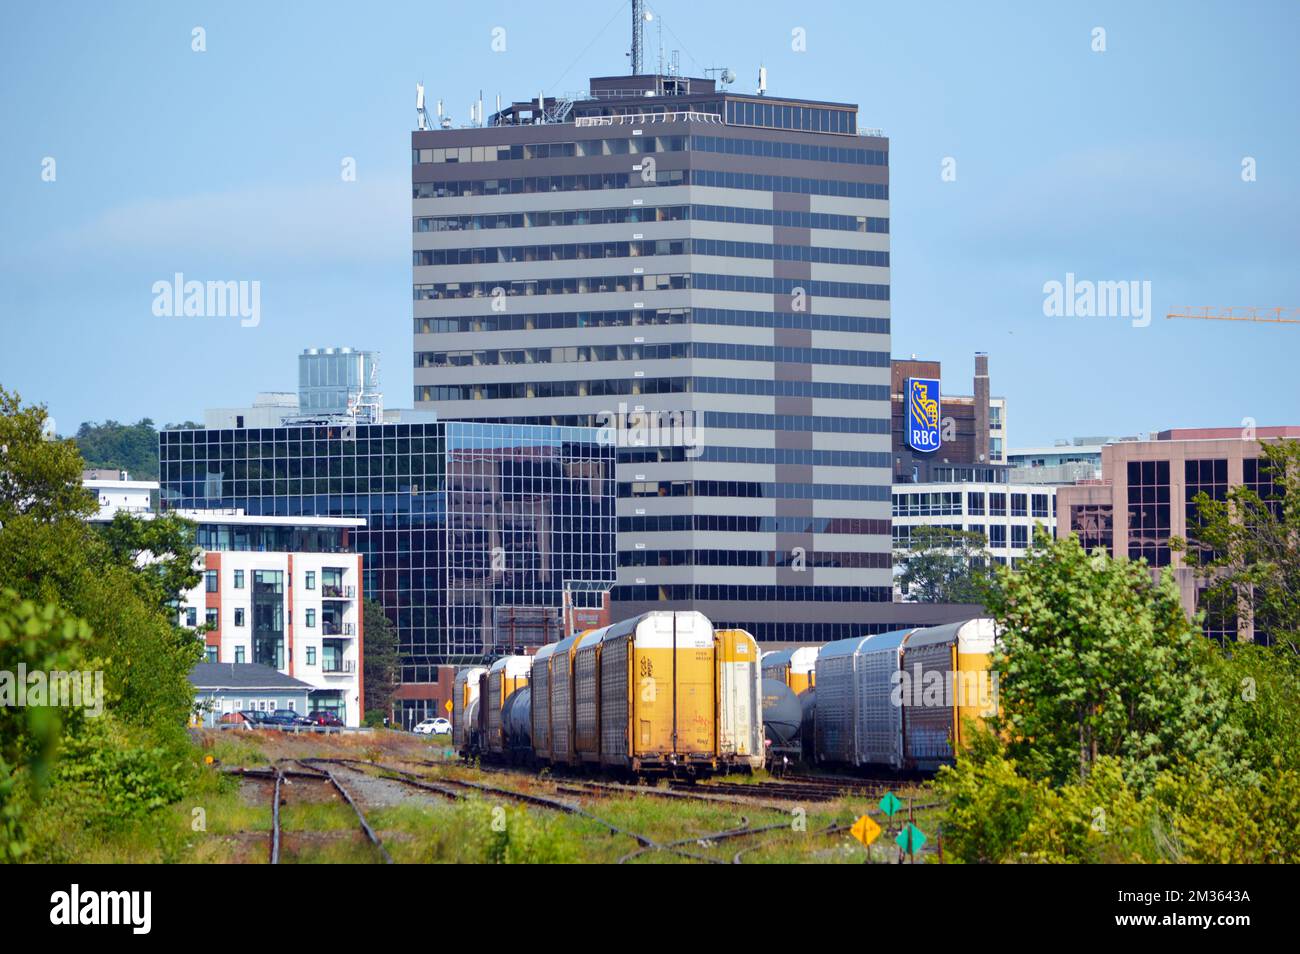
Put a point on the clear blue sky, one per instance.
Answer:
(1122, 165)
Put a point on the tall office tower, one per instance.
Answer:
(705, 274)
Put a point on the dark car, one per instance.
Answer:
(285, 718)
(252, 718)
(320, 717)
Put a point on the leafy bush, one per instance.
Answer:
(127, 775)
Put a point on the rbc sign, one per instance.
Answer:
(923, 414)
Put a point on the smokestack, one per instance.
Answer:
(981, 448)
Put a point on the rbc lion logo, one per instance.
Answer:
(923, 414)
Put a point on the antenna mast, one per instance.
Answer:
(638, 19)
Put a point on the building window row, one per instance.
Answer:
(549, 321)
(784, 149)
(736, 523)
(633, 179)
(753, 455)
(619, 146)
(797, 559)
(528, 185)
(799, 422)
(604, 284)
(640, 593)
(637, 214)
(582, 251)
(773, 115)
(775, 490)
(598, 387)
(711, 350)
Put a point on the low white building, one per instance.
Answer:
(284, 592)
(115, 490)
(1004, 513)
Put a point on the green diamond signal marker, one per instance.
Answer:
(910, 839)
(890, 804)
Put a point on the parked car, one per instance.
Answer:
(438, 726)
(240, 719)
(253, 719)
(285, 719)
(321, 717)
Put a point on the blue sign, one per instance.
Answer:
(923, 414)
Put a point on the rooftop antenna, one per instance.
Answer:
(762, 80)
(724, 73)
(639, 17)
(420, 113)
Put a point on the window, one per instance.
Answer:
(191, 617)
(1019, 505)
(1148, 511)
(210, 617)
(1039, 504)
(1094, 524)
(975, 504)
(311, 655)
(239, 654)
(210, 581)
(311, 618)
(997, 505)
(998, 536)
(239, 616)
(239, 579)
(1019, 536)
(210, 654)
(311, 579)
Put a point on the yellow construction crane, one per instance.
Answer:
(1286, 316)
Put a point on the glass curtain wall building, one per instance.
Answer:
(706, 273)
(472, 530)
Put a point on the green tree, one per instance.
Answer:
(944, 566)
(382, 659)
(39, 638)
(1246, 548)
(1096, 658)
(130, 447)
(50, 554)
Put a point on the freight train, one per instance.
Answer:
(896, 701)
(661, 693)
(666, 693)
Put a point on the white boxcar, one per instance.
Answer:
(464, 691)
(540, 683)
(795, 667)
(740, 699)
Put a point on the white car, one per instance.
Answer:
(437, 726)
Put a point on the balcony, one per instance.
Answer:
(333, 591)
(343, 667)
(338, 629)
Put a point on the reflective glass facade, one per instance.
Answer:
(471, 530)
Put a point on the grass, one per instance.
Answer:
(224, 819)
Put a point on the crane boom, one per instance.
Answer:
(1287, 316)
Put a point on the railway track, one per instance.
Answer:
(277, 776)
